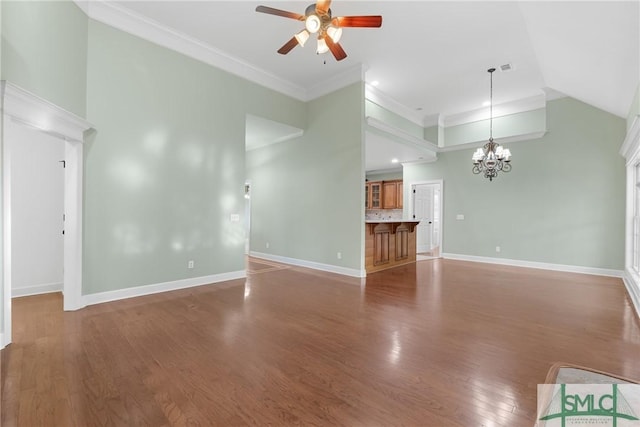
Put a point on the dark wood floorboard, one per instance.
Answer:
(437, 343)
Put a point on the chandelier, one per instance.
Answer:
(492, 158)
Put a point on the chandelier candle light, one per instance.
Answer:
(492, 158)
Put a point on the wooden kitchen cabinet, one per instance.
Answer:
(373, 195)
(392, 194)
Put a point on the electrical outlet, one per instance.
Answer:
(339, 255)
(267, 245)
(497, 248)
(190, 264)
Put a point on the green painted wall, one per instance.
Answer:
(563, 202)
(506, 126)
(166, 168)
(431, 134)
(306, 194)
(374, 110)
(44, 50)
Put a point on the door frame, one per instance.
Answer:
(440, 184)
(26, 109)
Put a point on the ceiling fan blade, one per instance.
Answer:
(286, 48)
(322, 6)
(336, 49)
(279, 12)
(358, 21)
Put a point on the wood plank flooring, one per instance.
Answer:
(436, 343)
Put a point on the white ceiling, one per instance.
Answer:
(431, 56)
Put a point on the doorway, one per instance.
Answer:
(426, 207)
(24, 109)
(37, 210)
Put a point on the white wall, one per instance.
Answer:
(37, 206)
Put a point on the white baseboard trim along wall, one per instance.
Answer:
(539, 265)
(139, 291)
(46, 288)
(310, 264)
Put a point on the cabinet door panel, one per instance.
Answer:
(389, 195)
(381, 248)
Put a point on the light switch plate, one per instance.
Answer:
(460, 217)
(235, 217)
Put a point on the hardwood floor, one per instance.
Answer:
(436, 343)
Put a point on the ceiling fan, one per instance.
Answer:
(317, 18)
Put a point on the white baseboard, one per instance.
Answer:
(26, 291)
(310, 264)
(139, 291)
(633, 288)
(540, 265)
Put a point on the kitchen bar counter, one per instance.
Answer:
(389, 243)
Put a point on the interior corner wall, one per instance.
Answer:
(306, 193)
(44, 50)
(562, 203)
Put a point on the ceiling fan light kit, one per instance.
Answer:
(318, 19)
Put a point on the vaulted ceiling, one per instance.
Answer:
(430, 57)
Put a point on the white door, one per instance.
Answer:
(427, 208)
(423, 212)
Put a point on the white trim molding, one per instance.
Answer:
(310, 264)
(46, 288)
(139, 291)
(505, 140)
(385, 101)
(31, 110)
(539, 265)
(406, 137)
(505, 109)
(630, 149)
(631, 145)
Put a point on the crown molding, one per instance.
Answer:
(431, 147)
(31, 110)
(501, 141)
(412, 140)
(518, 106)
(382, 99)
(130, 22)
(349, 76)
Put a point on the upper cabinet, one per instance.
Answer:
(383, 194)
(373, 195)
